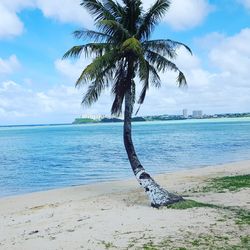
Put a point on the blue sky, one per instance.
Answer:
(36, 86)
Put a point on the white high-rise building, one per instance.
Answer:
(197, 114)
(185, 113)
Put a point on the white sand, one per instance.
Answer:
(117, 214)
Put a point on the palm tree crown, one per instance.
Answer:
(122, 50)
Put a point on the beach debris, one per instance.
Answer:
(83, 218)
(33, 232)
(104, 209)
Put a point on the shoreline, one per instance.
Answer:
(219, 168)
(189, 120)
(117, 215)
(130, 179)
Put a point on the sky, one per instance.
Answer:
(37, 86)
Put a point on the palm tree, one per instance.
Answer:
(121, 50)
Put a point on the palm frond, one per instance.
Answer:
(90, 49)
(160, 62)
(165, 47)
(99, 64)
(115, 9)
(93, 92)
(154, 77)
(91, 34)
(114, 29)
(143, 72)
(119, 88)
(97, 9)
(181, 79)
(161, 47)
(75, 52)
(151, 18)
(116, 108)
(150, 75)
(102, 80)
(176, 45)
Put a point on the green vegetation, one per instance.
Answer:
(231, 183)
(191, 241)
(149, 246)
(138, 119)
(186, 204)
(164, 117)
(105, 120)
(84, 120)
(242, 216)
(107, 245)
(202, 241)
(111, 120)
(245, 240)
(175, 117)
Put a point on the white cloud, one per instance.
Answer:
(187, 14)
(61, 103)
(246, 3)
(232, 55)
(187, 61)
(10, 24)
(19, 104)
(210, 40)
(71, 69)
(68, 11)
(9, 65)
(17, 5)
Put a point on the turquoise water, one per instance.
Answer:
(47, 157)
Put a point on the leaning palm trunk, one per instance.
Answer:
(157, 195)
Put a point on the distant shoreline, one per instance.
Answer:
(89, 123)
(103, 119)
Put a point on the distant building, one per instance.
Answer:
(94, 117)
(197, 114)
(98, 117)
(185, 113)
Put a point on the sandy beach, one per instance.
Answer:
(117, 215)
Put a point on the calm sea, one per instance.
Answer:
(47, 157)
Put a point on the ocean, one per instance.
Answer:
(37, 158)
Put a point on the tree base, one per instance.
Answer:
(157, 195)
(175, 199)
